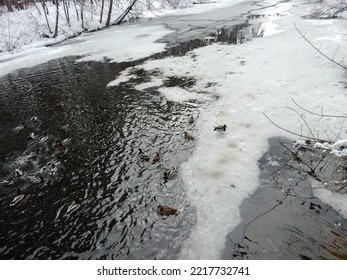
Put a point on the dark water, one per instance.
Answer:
(118, 218)
(283, 219)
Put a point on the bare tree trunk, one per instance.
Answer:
(45, 11)
(78, 18)
(102, 10)
(66, 11)
(109, 13)
(9, 6)
(82, 15)
(56, 19)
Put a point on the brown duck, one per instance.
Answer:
(167, 211)
(170, 173)
(156, 158)
(187, 136)
(64, 127)
(57, 105)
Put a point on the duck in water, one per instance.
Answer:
(170, 173)
(19, 127)
(167, 210)
(156, 158)
(74, 206)
(143, 155)
(187, 136)
(18, 198)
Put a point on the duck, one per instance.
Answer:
(187, 136)
(74, 206)
(64, 127)
(44, 138)
(220, 128)
(170, 173)
(29, 156)
(167, 210)
(5, 183)
(60, 151)
(143, 155)
(18, 173)
(20, 127)
(38, 180)
(18, 198)
(31, 136)
(33, 119)
(57, 105)
(156, 158)
(54, 168)
(191, 120)
(65, 141)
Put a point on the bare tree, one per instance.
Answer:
(45, 11)
(108, 21)
(102, 10)
(9, 6)
(56, 19)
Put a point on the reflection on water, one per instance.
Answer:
(118, 217)
(283, 220)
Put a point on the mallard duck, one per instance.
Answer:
(29, 156)
(187, 136)
(167, 211)
(20, 127)
(220, 128)
(64, 127)
(156, 158)
(57, 105)
(54, 168)
(60, 151)
(18, 173)
(65, 141)
(191, 120)
(170, 173)
(31, 136)
(44, 138)
(143, 155)
(74, 206)
(5, 183)
(18, 198)
(38, 180)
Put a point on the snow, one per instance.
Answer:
(116, 43)
(180, 95)
(259, 76)
(335, 200)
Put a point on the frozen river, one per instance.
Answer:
(134, 87)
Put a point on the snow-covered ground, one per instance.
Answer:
(257, 77)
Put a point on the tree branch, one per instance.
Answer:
(323, 54)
